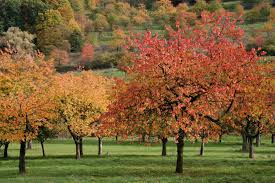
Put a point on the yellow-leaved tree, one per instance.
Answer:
(82, 98)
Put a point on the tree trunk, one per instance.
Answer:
(77, 143)
(180, 144)
(77, 151)
(245, 144)
(273, 138)
(258, 140)
(42, 147)
(22, 163)
(6, 150)
(99, 146)
(116, 138)
(164, 142)
(29, 144)
(81, 147)
(202, 147)
(251, 148)
(143, 137)
(220, 138)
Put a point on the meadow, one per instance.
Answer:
(131, 161)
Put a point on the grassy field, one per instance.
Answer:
(111, 73)
(134, 162)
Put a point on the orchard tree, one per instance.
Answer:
(207, 130)
(82, 98)
(127, 115)
(48, 129)
(189, 73)
(251, 112)
(6, 147)
(26, 99)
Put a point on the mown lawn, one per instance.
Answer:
(135, 162)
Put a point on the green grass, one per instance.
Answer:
(230, 5)
(111, 73)
(134, 162)
(247, 27)
(106, 37)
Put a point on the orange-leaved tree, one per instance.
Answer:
(251, 112)
(26, 99)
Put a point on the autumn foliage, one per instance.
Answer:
(60, 57)
(82, 98)
(26, 99)
(196, 81)
(87, 54)
(190, 80)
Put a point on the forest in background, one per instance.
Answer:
(91, 33)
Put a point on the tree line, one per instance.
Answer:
(61, 29)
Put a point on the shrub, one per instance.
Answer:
(214, 5)
(248, 4)
(108, 60)
(60, 57)
(199, 7)
(259, 13)
(101, 61)
(269, 46)
(164, 11)
(272, 15)
(239, 9)
(101, 23)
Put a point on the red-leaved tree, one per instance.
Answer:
(192, 75)
(87, 54)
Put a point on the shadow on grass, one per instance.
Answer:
(135, 166)
(84, 157)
